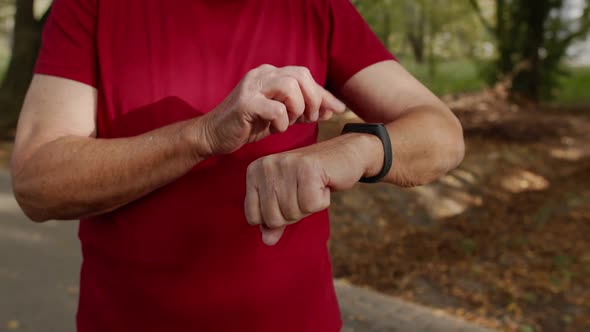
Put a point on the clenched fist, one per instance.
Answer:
(284, 188)
(268, 100)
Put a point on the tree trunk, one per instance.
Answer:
(417, 44)
(504, 39)
(25, 46)
(416, 35)
(536, 22)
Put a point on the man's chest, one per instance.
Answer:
(197, 51)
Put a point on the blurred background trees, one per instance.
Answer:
(532, 39)
(25, 39)
(424, 29)
(523, 44)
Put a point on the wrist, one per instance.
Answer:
(368, 150)
(196, 135)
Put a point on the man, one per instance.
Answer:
(180, 131)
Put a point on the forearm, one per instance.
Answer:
(74, 177)
(426, 144)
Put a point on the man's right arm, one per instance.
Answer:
(60, 170)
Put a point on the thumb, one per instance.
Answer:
(270, 236)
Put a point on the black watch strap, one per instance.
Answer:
(378, 130)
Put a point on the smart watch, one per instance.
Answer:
(377, 129)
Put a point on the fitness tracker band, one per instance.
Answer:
(378, 130)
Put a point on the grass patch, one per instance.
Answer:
(456, 76)
(450, 76)
(575, 86)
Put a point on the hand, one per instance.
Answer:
(284, 188)
(268, 100)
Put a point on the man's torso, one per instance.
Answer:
(184, 258)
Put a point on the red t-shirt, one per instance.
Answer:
(183, 258)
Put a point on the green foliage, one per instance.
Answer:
(574, 86)
(457, 76)
(451, 76)
(425, 28)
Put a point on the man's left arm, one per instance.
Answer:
(426, 139)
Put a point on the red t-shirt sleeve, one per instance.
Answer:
(353, 46)
(68, 48)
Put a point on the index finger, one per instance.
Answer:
(331, 103)
(317, 98)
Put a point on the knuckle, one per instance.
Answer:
(275, 223)
(290, 83)
(314, 99)
(292, 215)
(315, 204)
(304, 71)
(267, 164)
(253, 168)
(258, 72)
(285, 162)
(280, 109)
(265, 67)
(246, 88)
(309, 206)
(307, 166)
(252, 218)
(252, 74)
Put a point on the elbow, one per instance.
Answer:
(448, 145)
(450, 151)
(441, 149)
(35, 216)
(34, 213)
(25, 197)
(455, 152)
(446, 153)
(443, 161)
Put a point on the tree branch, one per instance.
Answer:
(582, 31)
(486, 24)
